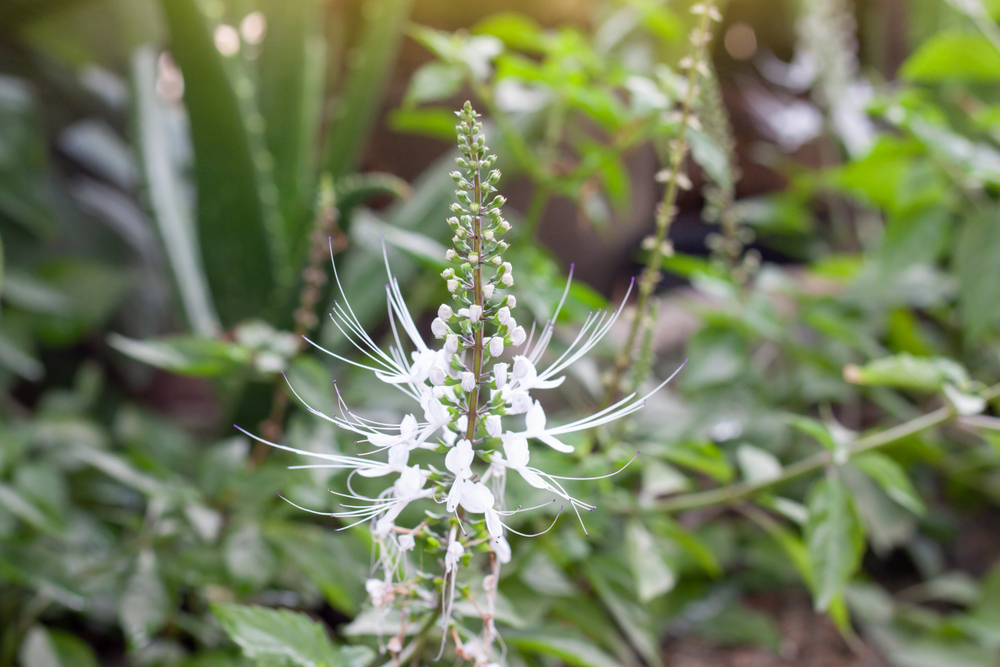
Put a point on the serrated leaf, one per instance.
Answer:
(653, 577)
(834, 538)
(892, 478)
(185, 355)
(282, 635)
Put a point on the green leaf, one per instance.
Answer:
(710, 156)
(653, 577)
(283, 636)
(435, 122)
(144, 605)
(892, 478)
(185, 355)
(906, 371)
(16, 504)
(370, 65)
(246, 253)
(167, 198)
(571, 649)
(634, 620)
(356, 189)
(953, 56)
(815, 429)
(756, 464)
(700, 455)
(291, 74)
(975, 261)
(834, 538)
(432, 82)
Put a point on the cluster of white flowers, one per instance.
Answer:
(479, 413)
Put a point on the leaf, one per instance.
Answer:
(436, 122)
(312, 382)
(756, 464)
(370, 64)
(185, 355)
(432, 82)
(816, 429)
(291, 74)
(167, 198)
(544, 576)
(700, 455)
(633, 620)
(653, 577)
(571, 649)
(906, 371)
(282, 635)
(834, 538)
(975, 261)
(16, 504)
(248, 557)
(143, 606)
(38, 650)
(369, 231)
(892, 478)
(953, 55)
(710, 156)
(246, 256)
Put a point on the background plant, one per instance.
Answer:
(820, 422)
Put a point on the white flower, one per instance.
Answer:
(445, 312)
(511, 301)
(475, 313)
(500, 374)
(493, 426)
(451, 344)
(437, 376)
(503, 315)
(407, 541)
(473, 259)
(527, 376)
(520, 402)
(454, 553)
(476, 498)
(506, 268)
(507, 279)
(439, 328)
(488, 291)
(450, 254)
(534, 427)
(452, 285)
(496, 346)
(379, 591)
(517, 337)
(399, 456)
(501, 548)
(468, 381)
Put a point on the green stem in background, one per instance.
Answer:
(321, 245)
(667, 210)
(729, 494)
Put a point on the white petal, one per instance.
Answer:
(534, 421)
(554, 443)
(493, 525)
(515, 447)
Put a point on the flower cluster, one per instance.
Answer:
(477, 414)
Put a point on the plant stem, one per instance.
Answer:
(665, 215)
(477, 354)
(733, 492)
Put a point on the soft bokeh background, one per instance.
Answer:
(171, 172)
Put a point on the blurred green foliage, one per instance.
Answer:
(157, 211)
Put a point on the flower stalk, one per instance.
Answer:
(658, 245)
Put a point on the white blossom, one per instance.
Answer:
(493, 426)
(439, 328)
(475, 313)
(518, 336)
(445, 312)
(496, 346)
(468, 381)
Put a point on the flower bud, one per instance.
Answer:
(503, 315)
(437, 376)
(444, 312)
(507, 279)
(496, 346)
(451, 344)
(468, 381)
(500, 374)
(488, 290)
(493, 426)
(450, 254)
(406, 542)
(452, 285)
(521, 366)
(504, 225)
(496, 260)
(511, 301)
(473, 259)
(439, 328)
(520, 402)
(475, 313)
(448, 273)
(453, 221)
(488, 235)
(506, 268)
(518, 336)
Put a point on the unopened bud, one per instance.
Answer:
(500, 374)
(493, 426)
(488, 290)
(468, 381)
(444, 312)
(503, 315)
(507, 279)
(511, 301)
(496, 346)
(452, 285)
(473, 259)
(496, 260)
(451, 344)
(439, 328)
(450, 254)
(437, 376)
(517, 337)
(475, 313)
(488, 235)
